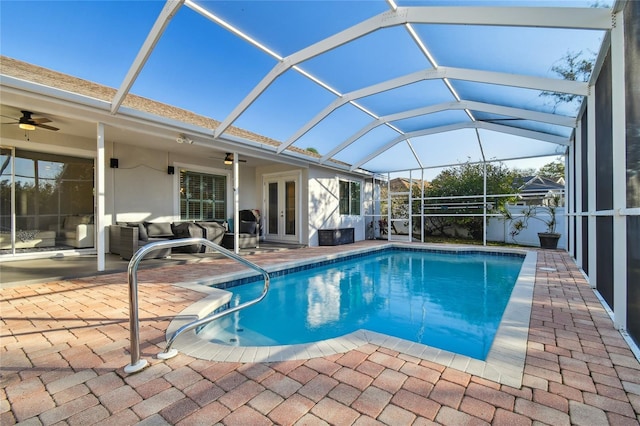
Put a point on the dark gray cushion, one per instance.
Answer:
(142, 231)
(247, 227)
(187, 230)
(213, 231)
(244, 241)
(158, 229)
(248, 215)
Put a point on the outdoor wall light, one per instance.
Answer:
(183, 139)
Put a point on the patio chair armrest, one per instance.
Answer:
(123, 240)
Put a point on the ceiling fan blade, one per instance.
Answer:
(40, 120)
(44, 126)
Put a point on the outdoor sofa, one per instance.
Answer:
(125, 238)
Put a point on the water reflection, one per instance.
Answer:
(454, 302)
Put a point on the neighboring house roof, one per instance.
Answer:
(538, 185)
(403, 184)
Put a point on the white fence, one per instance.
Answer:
(499, 230)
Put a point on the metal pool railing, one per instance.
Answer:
(137, 363)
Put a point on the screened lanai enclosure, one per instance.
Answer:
(402, 88)
(385, 95)
(385, 87)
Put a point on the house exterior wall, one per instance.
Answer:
(141, 189)
(323, 204)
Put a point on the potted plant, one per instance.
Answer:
(548, 239)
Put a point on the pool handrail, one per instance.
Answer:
(137, 363)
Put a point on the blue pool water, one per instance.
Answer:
(447, 300)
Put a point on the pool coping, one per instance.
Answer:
(504, 363)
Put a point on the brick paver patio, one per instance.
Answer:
(64, 345)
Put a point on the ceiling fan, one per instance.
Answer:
(27, 122)
(228, 159)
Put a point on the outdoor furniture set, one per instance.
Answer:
(125, 238)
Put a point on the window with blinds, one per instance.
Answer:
(202, 196)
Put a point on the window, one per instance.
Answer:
(349, 198)
(202, 196)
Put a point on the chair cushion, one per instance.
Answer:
(142, 230)
(213, 231)
(249, 215)
(187, 230)
(159, 229)
(247, 227)
(70, 222)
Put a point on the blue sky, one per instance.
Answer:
(202, 67)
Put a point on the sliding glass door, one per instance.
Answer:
(46, 200)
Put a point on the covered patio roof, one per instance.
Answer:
(374, 86)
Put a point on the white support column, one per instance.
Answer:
(591, 186)
(99, 220)
(410, 206)
(484, 190)
(422, 205)
(484, 203)
(236, 205)
(388, 206)
(619, 173)
(568, 199)
(578, 167)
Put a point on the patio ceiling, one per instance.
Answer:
(376, 85)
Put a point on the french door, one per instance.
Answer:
(281, 207)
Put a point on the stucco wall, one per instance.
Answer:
(323, 204)
(498, 230)
(141, 189)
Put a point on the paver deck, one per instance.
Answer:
(64, 344)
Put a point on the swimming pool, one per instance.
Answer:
(450, 300)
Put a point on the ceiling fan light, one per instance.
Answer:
(26, 126)
(228, 159)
